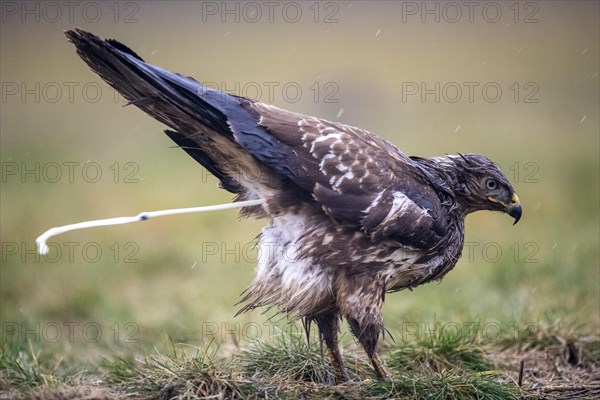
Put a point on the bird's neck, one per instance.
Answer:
(449, 181)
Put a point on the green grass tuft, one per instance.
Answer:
(288, 357)
(454, 384)
(23, 367)
(438, 350)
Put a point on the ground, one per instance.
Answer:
(548, 364)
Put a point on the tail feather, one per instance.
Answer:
(170, 98)
(198, 116)
(204, 159)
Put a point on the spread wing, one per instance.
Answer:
(356, 176)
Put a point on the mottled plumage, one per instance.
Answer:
(351, 216)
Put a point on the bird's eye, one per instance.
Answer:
(491, 184)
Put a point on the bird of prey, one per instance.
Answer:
(351, 217)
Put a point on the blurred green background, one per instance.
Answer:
(70, 152)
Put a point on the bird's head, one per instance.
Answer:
(481, 185)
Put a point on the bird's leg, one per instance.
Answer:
(362, 303)
(378, 367)
(328, 327)
(368, 335)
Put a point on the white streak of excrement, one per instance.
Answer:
(143, 216)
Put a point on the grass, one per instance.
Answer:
(439, 366)
(440, 350)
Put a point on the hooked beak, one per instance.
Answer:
(514, 208)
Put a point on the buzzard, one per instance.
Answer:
(351, 217)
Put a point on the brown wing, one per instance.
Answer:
(356, 176)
